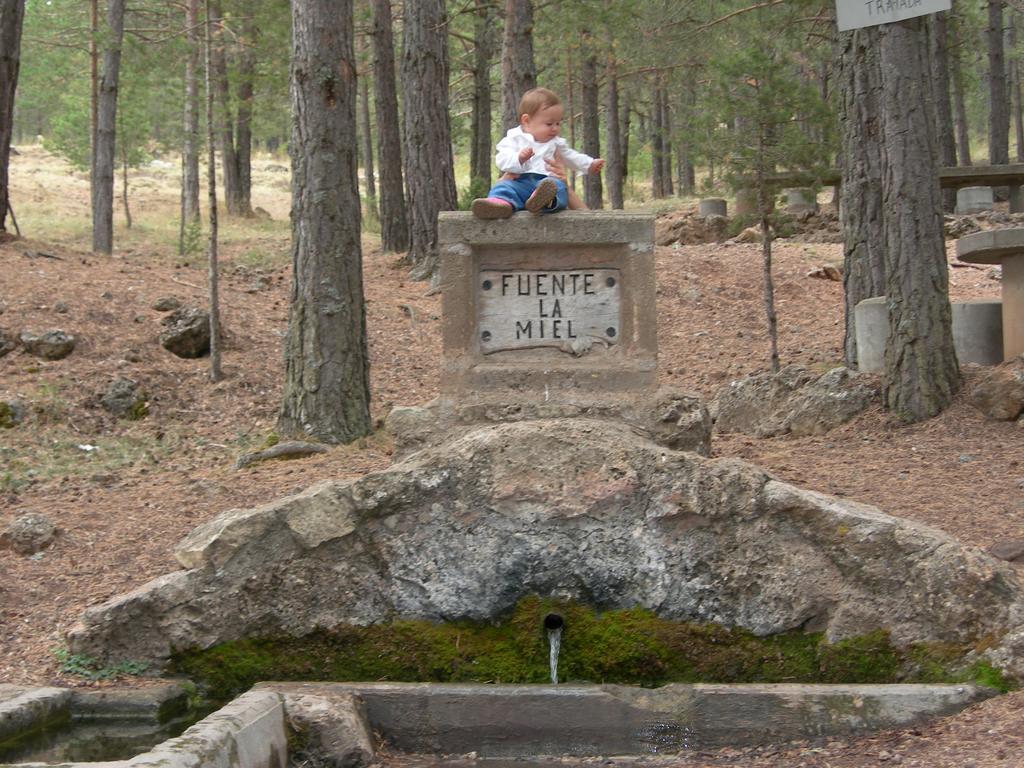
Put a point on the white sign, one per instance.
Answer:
(570, 309)
(854, 14)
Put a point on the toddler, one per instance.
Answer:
(524, 151)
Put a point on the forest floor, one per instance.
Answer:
(123, 492)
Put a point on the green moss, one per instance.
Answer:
(869, 658)
(139, 409)
(6, 416)
(630, 646)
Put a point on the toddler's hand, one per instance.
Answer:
(596, 166)
(525, 154)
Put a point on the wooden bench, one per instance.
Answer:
(1011, 175)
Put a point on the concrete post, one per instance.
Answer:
(712, 206)
(871, 321)
(801, 200)
(1016, 198)
(974, 199)
(978, 331)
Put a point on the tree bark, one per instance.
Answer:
(939, 51)
(243, 125)
(627, 109)
(960, 125)
(1015, 100)
(94, 89)
(860, 158)
(190, 144)
(103, 188)
(518, 71)
(688, 178)
(921, 371)
(666, 142)
(481, 161)
(366, 137)
(124, 187)
(591, 128)
(999, 114)
(613, 142)
(429, 171)
(12, 16)
(327, 387)
(225, 120)
(213, 267)
(657, 145)
(394, 224)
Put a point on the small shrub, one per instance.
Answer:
(192, 238)
(87, 667)
(477, 188)
(371, 215)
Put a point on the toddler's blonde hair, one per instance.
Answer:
(535, 100)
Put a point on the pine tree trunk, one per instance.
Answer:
(613, 142)
(213, 267)
(860, 158)
(921, 372)
(570, 116)
(124, 188)
(366, 137)
(480, 160)
(999, 113)
(666, 143)
(429, 170)
(627, 108)
(394, 224)
(1015, 100)
(103, 188)
(688, 182)
(657, 145)
(12, 16)
(591, 128)
(94, 90)
(938, 34)
(518, 71)
(190, 145)
(960, 125)
(243, 125)
(225, 121)
(327, 387)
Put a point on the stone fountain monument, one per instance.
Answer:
(552, 465)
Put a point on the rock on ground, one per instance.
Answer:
(999, 391)
(124, 398)
(588, 510)
(188, 332)
(794, 400)
(51, 345)
(28, 534)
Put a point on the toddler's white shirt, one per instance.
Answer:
(517, 140)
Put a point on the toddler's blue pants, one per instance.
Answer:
(517, 191)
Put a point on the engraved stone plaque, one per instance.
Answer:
(567, 309)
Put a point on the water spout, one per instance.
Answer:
(553, 623)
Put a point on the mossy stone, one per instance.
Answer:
(631, 646)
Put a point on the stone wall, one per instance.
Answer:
(585, 510)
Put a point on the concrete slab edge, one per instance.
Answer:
(32, 709)
(517, 721)
(249, 732)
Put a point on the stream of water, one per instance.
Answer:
(555, 641)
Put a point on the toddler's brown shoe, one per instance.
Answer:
(491, 208)
(542, 196)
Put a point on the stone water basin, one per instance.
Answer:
(279, 724)
(59, 725)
